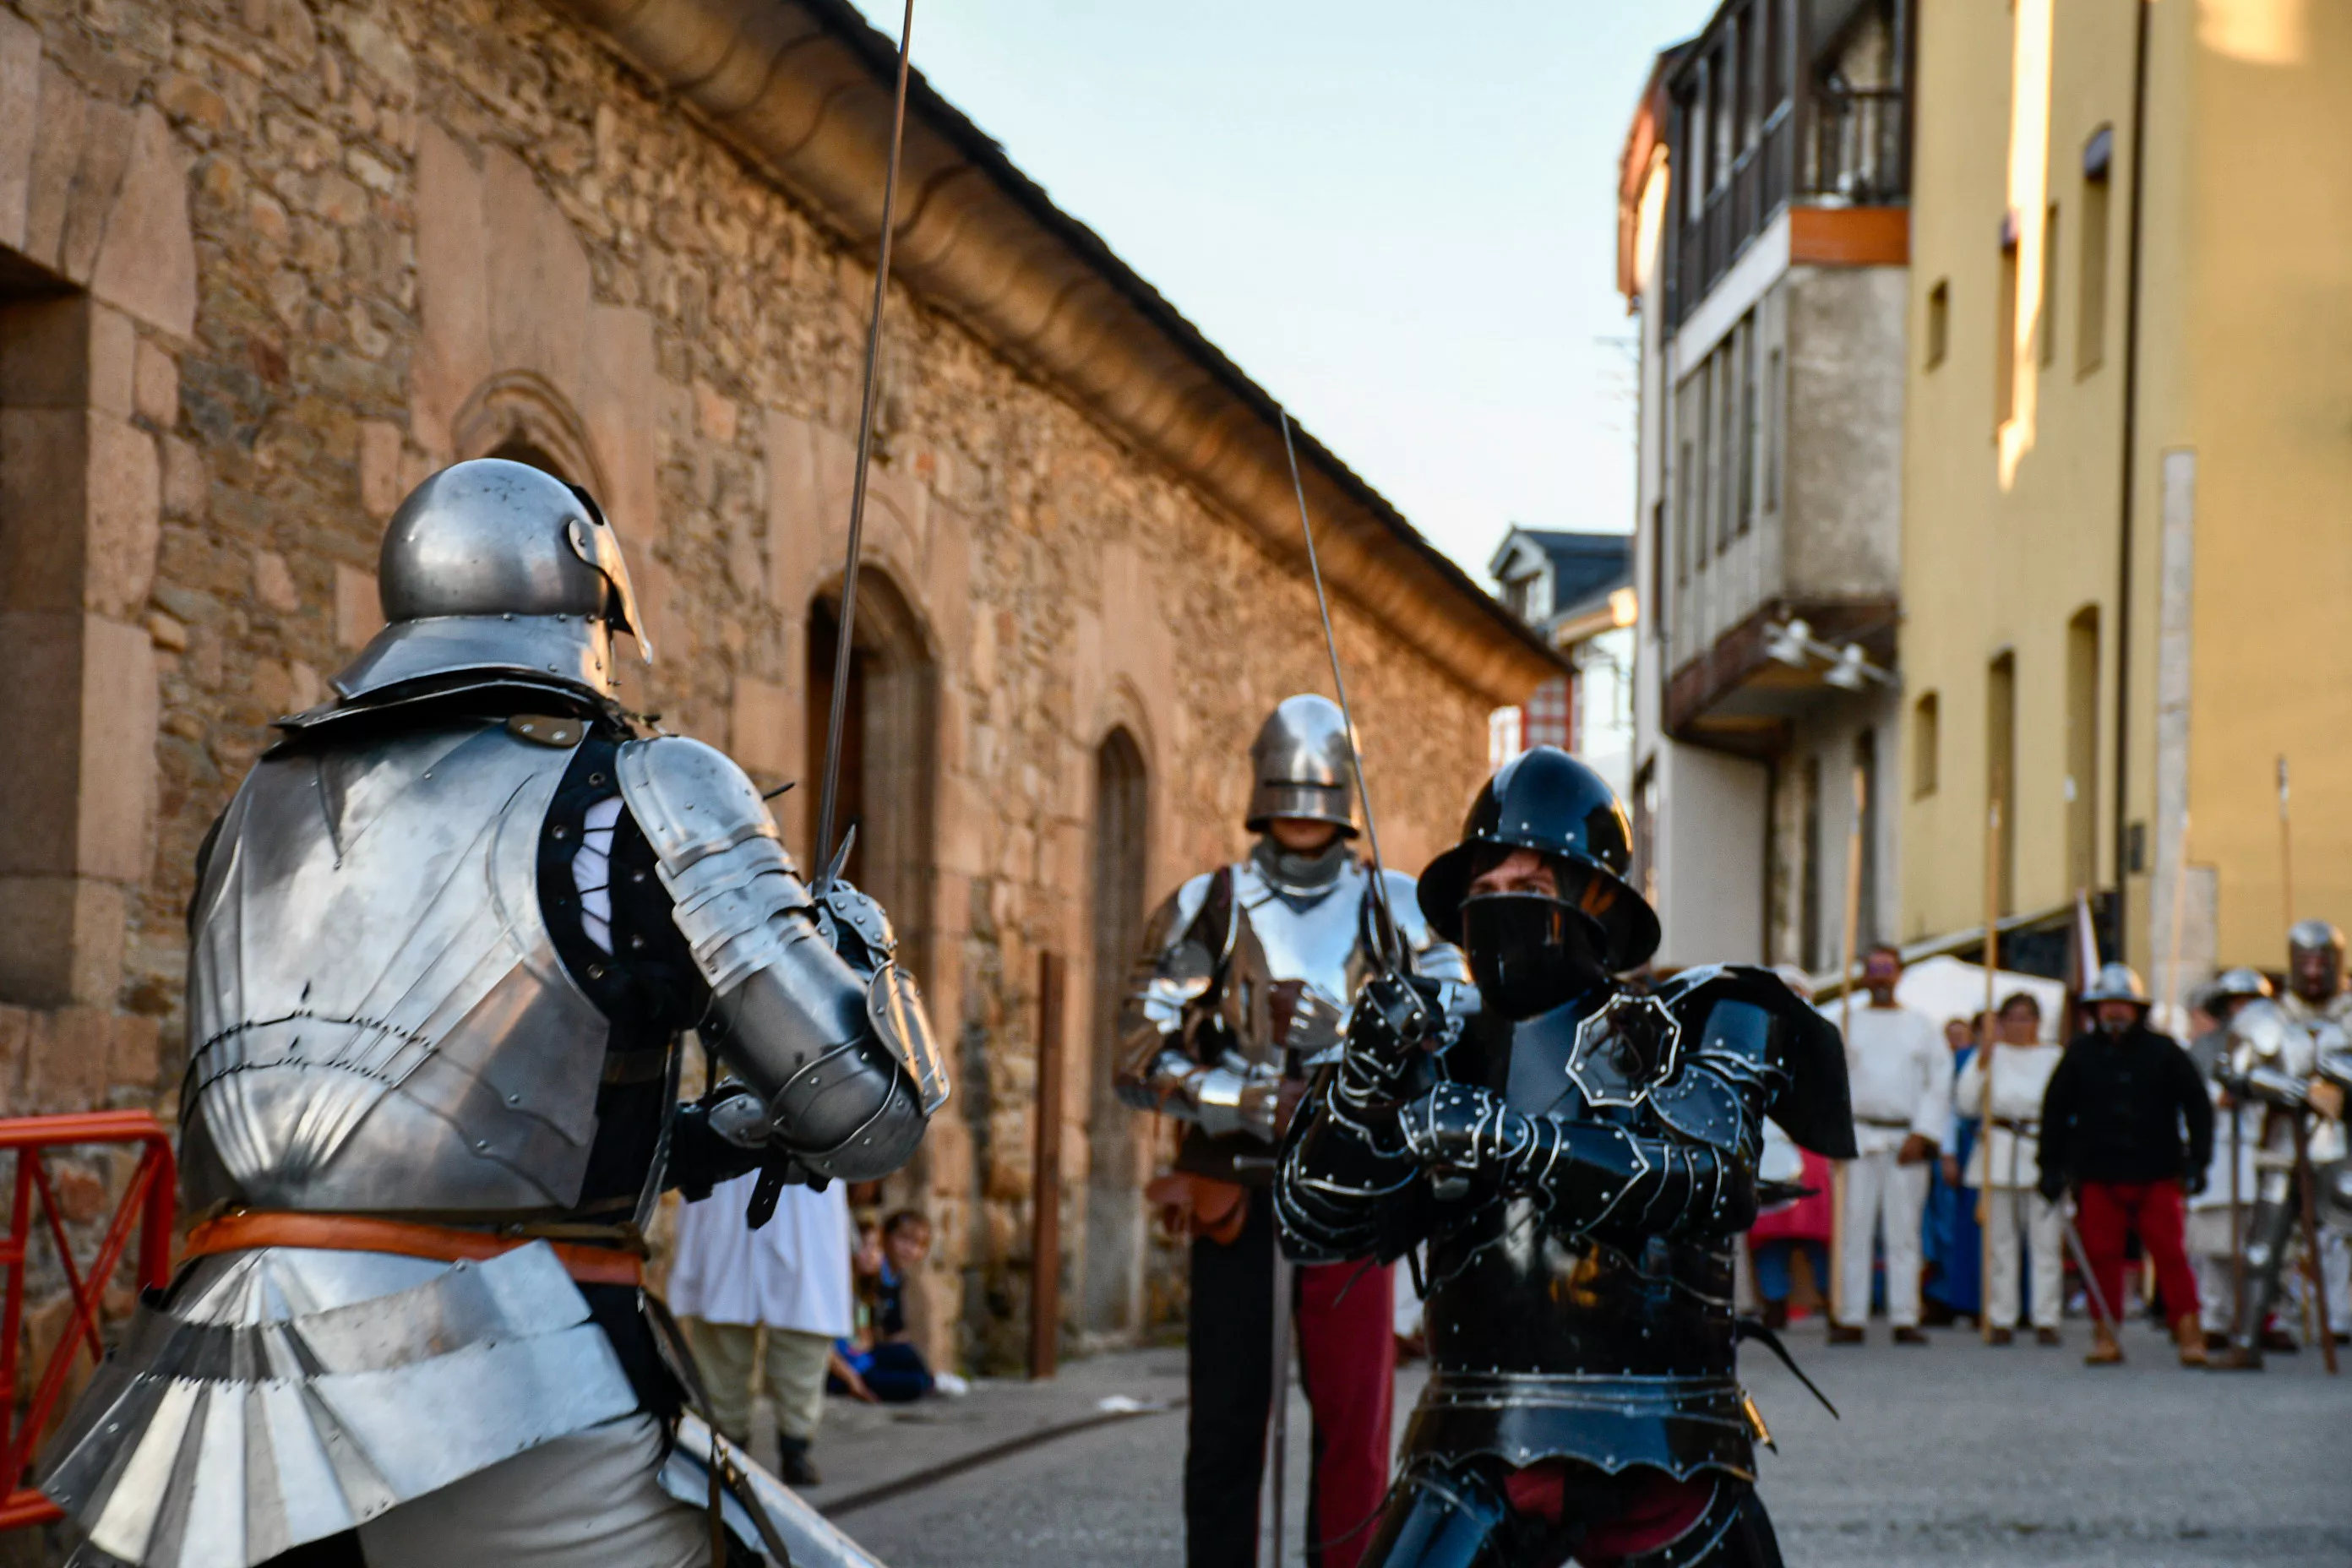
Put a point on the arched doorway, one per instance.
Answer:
(888, 755)
(1115, 1226)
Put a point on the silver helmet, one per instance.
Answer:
(502, 568)
(2316, 936)
(2239, 984)
(1299, 765)
(2116, 982)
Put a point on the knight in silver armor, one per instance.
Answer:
(444, 943)
(1244, 979)
(2289, 1062)
(1579, 1158)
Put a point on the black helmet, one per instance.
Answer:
(1546, 801)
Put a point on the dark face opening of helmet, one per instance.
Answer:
(1528, 952)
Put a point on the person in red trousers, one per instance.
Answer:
(2127, 1124)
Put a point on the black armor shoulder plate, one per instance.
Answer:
(1750, 1015)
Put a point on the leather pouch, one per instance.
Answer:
(1199, 1206)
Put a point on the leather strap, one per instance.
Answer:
(246, 1229)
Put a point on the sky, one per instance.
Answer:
(1402, 224)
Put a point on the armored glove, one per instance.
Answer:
(2193, 1184)
(2051, 1188)
(1394, 1017)
(1585, 1173)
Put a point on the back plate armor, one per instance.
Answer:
(379, 1019)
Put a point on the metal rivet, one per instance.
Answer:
(483, 1144)
(514, 1099)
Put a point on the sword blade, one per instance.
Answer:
(1278, 1424)
(829, 797)
(1388, 932)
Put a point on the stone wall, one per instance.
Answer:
(429, 229)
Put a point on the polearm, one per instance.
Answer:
(1839, 1241)
(828, 798)
(1984, 1046)
(1389, 954)
(2286, 851)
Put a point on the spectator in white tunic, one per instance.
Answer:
(791, 1278)
(2021, 1065)
(1901, 1078)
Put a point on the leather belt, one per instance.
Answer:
(246, 1229)
(1874, 1121)
(2014, 1124)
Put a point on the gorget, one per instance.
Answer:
(378, 1019)
(284, 1396)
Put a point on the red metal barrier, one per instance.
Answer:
(148, 1201)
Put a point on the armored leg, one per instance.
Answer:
(1447, 1517)
(1734, 1533)
(2268, 1236)
(1229, 1339)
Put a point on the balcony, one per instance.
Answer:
(1758, 146)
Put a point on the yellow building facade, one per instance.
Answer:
(2128, 489)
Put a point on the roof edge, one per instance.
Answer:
(803, 90)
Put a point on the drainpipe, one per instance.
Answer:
(2130, 474)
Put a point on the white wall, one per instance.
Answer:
(1710, 846)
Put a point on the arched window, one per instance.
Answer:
(886, 755)
(1116, 1224)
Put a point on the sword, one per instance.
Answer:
(1278, 1424)
(829, 797)
(2099, 1297)
(1389, 953)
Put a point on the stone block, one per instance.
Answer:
(117, 786)
(125, 518)
(20, 100)
(40, 711)
(381, 491)
(16, 1046)
(359, 609)
(537, 274)
(453, 350)
(714, 413)
(185, 482)
(273, 582)
(155, 394)
(66, 1067)
(148, 262)
(44, 539)
(134, 1057)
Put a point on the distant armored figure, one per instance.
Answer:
(2292, 1059)
(1579, 1158)
(1246, 976)
(443, 943)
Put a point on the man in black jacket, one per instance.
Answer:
(2126, 1123)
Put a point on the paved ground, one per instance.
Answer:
(1956, 1453)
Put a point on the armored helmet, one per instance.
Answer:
(1300, 765)
(2316, 936)
(1546, 801)
(2116, 982)
(500, 568)
(2239, 984)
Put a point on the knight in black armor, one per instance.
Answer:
(444, 944)
(1579, 1158)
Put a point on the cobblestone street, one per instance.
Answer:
(1956, 1453)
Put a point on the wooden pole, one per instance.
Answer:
(1838, 1238)
(1988, 1037)
(1046, 1185)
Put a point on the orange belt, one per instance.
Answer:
(246, 1229)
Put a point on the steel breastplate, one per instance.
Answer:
(377, 1017)
(1298, 960)
(1543, 1346)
